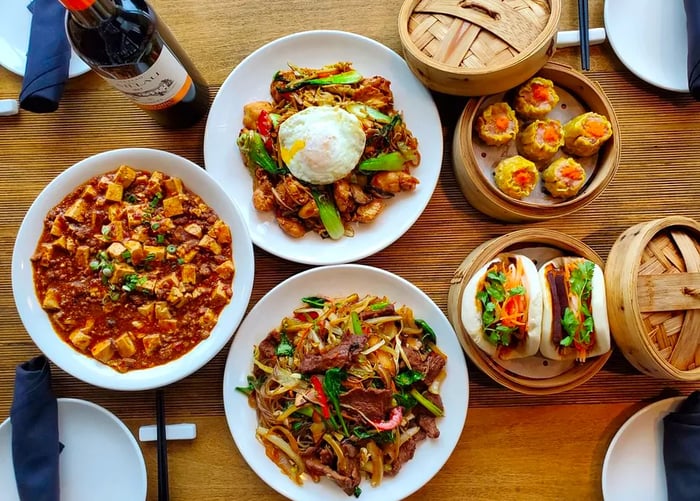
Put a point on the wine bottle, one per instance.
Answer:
(129, 46)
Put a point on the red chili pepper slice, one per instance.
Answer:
(264, 126)
(323, 399)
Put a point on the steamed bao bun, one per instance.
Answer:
(472, 307)
(598, 307)
(321, 144)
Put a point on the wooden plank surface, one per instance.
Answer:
(658, 176)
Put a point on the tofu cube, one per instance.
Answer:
(173, 186)
(125, 345)
(189, 274)
(146, 309)
(89, 193)
(219, 295)
(76, 212)
(154, 183)
(221, 232)
(115, 250)
(103, 350)
(121, 270)
(172, 206)
(207, 320)
(58, 227)
(117, 230)
(210, 244)
(82, 256)
(194, 229)
(114, 192)
(50, 302)
(226, 270)
(161, 310)
(157, 251)
(125, 176)
(80, 340)
(151, 342)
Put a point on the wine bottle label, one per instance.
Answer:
(161, 86)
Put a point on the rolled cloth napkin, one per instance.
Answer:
(35, 446)
(48, 58)
(681, 448)
(692, 15)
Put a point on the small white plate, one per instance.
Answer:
(101, 458)
(633, 468)
(649, 37)
(340, 281)
(250, 81)
(15, 24)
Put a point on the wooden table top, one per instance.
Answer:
(514, 446)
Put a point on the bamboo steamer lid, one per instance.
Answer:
(653, 285)
(477, 47)
(534, 375)
(474, 162)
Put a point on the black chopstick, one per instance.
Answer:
(162, 443)
(583, 34)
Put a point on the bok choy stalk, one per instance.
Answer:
(330, 217)
(252, 146)
(392, 161)
(347, 77)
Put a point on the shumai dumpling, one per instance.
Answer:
(541, 140)
(585, 134)
(535, 98)
(516, 176)
(564, 177)
(497, 125)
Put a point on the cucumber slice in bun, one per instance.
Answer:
(502, 307)
(574, 317)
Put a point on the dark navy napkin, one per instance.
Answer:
(692, 15)
(681, 447)
(48, 58)
(35, 446)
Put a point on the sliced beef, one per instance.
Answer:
(406, 452)
(386, 311)
(429, 364)
(374, 403)
(339, 356)
(348, 479)
(426, 419)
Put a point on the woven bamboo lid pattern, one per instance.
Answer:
(444, 39)
(654, 307)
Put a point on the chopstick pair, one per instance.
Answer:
(583, 34)
(162, 444)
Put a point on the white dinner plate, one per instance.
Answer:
(15, 24)
(633, 467)
(250, 81)
(336, 281)
(100, 459)
(649, 37)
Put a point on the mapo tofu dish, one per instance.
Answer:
(133, 268)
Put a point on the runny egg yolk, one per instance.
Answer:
(321, 144)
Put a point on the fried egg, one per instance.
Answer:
(321, 144)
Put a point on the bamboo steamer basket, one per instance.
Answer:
(653, 284)
(474, 162)
(477, 47)
(540, 245)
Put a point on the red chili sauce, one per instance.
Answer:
(133, 268)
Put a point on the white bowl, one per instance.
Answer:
(37, 322)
